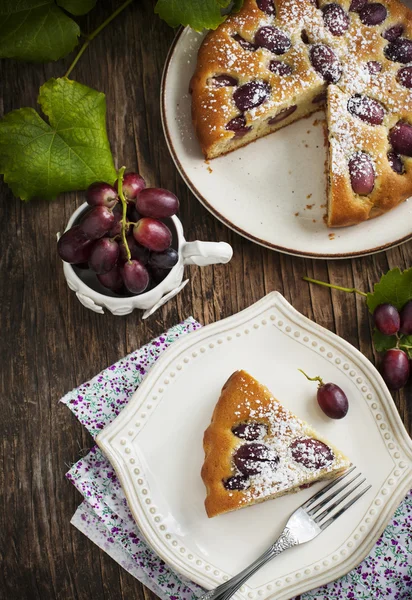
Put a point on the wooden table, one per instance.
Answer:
(50, 343)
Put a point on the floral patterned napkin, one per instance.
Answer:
(104, 517)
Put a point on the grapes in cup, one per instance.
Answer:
(125, 237)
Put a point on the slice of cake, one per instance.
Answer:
(256, 450)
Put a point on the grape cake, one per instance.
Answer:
(277, 61)
(257, 450)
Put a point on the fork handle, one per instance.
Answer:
(225, 591)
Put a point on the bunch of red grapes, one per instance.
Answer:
(395, 366)
(121, 237)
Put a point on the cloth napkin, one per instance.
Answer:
(104, 516)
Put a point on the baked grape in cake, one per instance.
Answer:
(276, 61)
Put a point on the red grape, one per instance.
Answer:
(135, 276)
(152, 234)
(331, 398)
(335, 19)
(387, 319)
(133, 184)
(116, 228)
(238, 125)
(251, 94)
(333, 401)
(362, 173)
(104, 255)
(97, 222)
(74, 247)
(112, 280)
(137, 251)
(273, 39)
(159, 274)
(406, 319)
(400, 136)
(101, 194)
(267, 6)
(157, 203)
(164, 260)
(395, 368)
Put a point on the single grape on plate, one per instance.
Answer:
(331, 398)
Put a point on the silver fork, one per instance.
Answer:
(306, 523)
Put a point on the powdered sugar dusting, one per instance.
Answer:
(293, 457)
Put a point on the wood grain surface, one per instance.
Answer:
(50, 343)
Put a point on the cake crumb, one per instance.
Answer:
(210, 170)
(323, 206)
(296, 214)
(331, 236)
(310, 206)
(309, 196)
(314, 221)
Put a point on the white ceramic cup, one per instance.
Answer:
(190, 253)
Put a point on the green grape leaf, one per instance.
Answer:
(199, 14)
(383, 342)
(40, 159)
(35, 30)
(405, 343)
(77, 7)
(395, 287)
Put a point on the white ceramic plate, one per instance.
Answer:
(262, 191)
(155, 445)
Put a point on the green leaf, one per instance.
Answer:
(40, 159)
(35, 30)
(77, 7)
(395, 287)
(199, 14)
(383, 342)
(405, 343)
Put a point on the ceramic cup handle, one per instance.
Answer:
(206, 253)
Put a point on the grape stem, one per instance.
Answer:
(95, 33)
(123, 200)
(319, 379)
(335, 287)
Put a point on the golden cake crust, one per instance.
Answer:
(222, 54)
(220, 443)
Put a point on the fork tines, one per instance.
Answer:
(312, 507)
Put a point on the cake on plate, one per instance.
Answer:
(257, 450)
(272, 63)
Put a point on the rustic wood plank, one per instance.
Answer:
(50, 343)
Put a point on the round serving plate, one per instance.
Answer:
(272, 191)
(155, 446)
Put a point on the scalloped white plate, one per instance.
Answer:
(155, 445)
(272, 191)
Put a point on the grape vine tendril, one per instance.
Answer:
(91, 36)
(318, 379)
(124, 223)
(335, 287)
